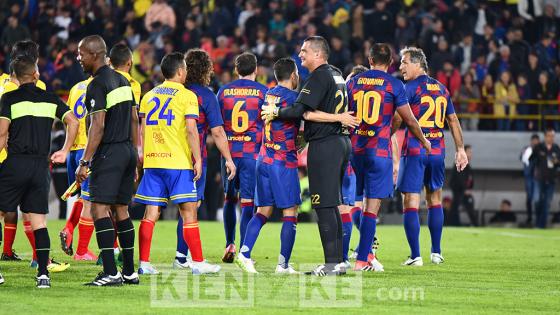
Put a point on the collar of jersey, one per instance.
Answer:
(103, 68)
(172, 84)
(126, 75)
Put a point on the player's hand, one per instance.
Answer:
(269, 113)
(81, 174)
(348, 119)
(395, 172)
(428, 146)
(230, 169)
(59, 157)
(461, 160)
(197, 170)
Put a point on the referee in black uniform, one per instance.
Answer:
(26, 119)
(111, 157)
(329, 146)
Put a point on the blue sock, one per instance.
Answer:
(356, 214)
(347, 234)
(287, 240)
(253, 229)
(247, 209)
(412, 230)
(230, 218)
(435, 224)
(367, 232)
(181, 244)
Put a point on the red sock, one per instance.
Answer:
(74, 215)
(85, 227)
(30, 237)
(191, 233)
(145, 239)
(9, 237)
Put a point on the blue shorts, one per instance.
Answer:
(374, 176)
(244, 181)
(73, 161)
(421, 170)
(277, 186)
(348, 189)
(201, 183)
(160, 185)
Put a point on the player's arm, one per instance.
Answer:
(406, 114)
(221, 141)
(461, 160)
(396, 123)
(134, 126)
(346, 118)
(396, 157)
(5, 120)
(194, 144)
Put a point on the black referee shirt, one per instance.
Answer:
(31, 112)
(111, 92)
(324, 90)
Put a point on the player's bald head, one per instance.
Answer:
(94, 44)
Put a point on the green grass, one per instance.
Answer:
(486, 271)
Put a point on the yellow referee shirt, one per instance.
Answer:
(6, 85)
(136, 89)
(76, 102)
(165, 109)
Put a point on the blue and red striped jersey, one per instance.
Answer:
(209, 115)
(241, 102)
(431, 104)
(279, 143)
(374, 96)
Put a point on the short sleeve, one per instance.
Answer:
(410, 92)
(450, 107)
(61, 109)
(313, 91)
(213, 113)
(5, 110)
(400, 94)
(96, 98)
(191, 105)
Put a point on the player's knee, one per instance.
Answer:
(152, 213)
(10, 217)
(266, 211)
(188, 211)
(433, 198)
(411, 200)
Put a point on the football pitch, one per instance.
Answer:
(486, 271)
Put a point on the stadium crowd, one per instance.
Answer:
(493, 55)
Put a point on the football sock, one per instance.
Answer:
(287, 240)
(412, 230)
(339, 235)
(85, 228)
(30, 236)
(182, 246)
(43, 246)
(105, 234)
(327, 223)
(125, 231)
(247, 209)
(75, 215)
(9, 235)
(435, 224)
(230, 218)
(253, 229)
(145, 233)
(347, 230)
(191, 233)
(356, 214)
(367, 232)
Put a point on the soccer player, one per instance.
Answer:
(241, 102)
(111, 155)
(431, 104)
(26, 119)
(374, 96)
(199, 73)
(276, 173)
(172, 160)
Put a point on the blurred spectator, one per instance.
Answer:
(533, 71)
(160, 12)
(542, 51)
(528, 174)
(506, 98)
(524, 92)
(339, 55)
(480, 69)
(547, 91)
(405, 34)
(548, 23)
(461, 184)
(441, 55)
(500, 63)
(469, 90)
(380, 25)
(530, 10)
(451, 78)
(504, 215)
(63, 21)
(465, 54)
(546, 158)
(487, 103)
(13, 33)
(70, 74)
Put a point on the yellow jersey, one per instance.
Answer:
(165, 110)
(6, 85)
(76, 102)
(136, 89)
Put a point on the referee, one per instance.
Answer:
(26, 118)
(329, 145)
(111, 157)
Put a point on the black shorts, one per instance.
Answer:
(25, 182)
(112, 174)
(326, 162)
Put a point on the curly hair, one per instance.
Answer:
(199, 67)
